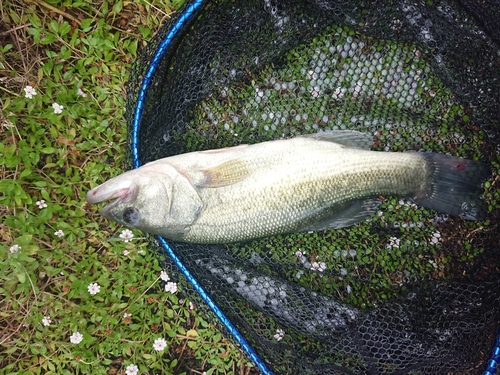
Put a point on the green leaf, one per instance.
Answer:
(85, 24)
(24, 240)
(54, 25)
(10, 284)
(48, 38)
(25, 172)
(117, 8)
(64, 28)
(30, 249)
(6, 48)
(132, 48)
(20, 274)
(48, 150)
(47, 67)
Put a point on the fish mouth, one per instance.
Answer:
(125, 191)
(97, 195)
(107, 211)
(103, 193)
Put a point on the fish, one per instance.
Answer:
(322, 181)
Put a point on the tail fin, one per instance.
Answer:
(455, 186)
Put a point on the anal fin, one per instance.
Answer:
(350, 214)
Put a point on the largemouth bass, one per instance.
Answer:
(321, 181)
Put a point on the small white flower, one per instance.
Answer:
(339, 93)
(393, 242)
(46, 321)
(81, 93)
(352, 253)
(349, 289)
(315, 92)
(94, 288)
(318, 266)
(439, 218)
(191, 306)
(29, 92)
(301, 256)
(41, 204)
(76, 338)
(127, 315)
(59, 233)
(14, 249)
(279, 334)
(171, 287)
(159, 344)
(434, 241)
(131, 370)
(164, 276)
(436, 238)
(57, 108)
(127, 235)
(125, 252)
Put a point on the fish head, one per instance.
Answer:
(151, 200)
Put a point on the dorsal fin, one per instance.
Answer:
(224, 149)
(347, 138)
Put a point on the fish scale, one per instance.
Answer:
(305, 191)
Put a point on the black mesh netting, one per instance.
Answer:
(410, 291)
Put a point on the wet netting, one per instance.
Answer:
(409, 291)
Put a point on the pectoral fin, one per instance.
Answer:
(352, 213)
(227, 173)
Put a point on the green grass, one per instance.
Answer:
(62, 49)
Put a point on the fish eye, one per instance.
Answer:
(130, 215)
